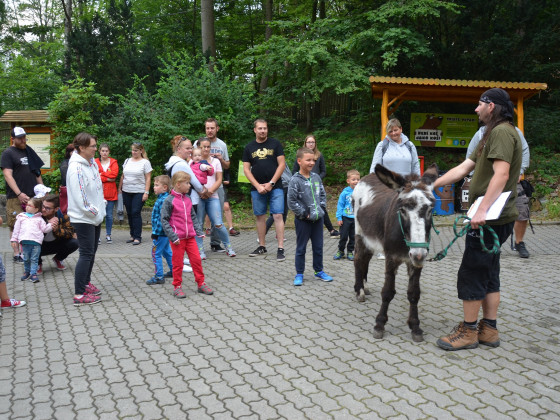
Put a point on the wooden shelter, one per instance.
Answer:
(38, 129)
(393, 91)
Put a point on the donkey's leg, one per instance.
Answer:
(387, 295)
(414, 298)
(362, 257)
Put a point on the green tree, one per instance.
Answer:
(187, 94)
(76, 108)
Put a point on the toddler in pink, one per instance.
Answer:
(201, 168)
(29, 231)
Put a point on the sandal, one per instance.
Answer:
(130, 241)
(136, 242)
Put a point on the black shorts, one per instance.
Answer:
(479, 273)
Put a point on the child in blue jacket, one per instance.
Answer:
(161, 247)
(345, 216)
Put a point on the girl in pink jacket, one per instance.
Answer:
(29, 231)
(181, 226)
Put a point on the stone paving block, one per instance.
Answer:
(82, 400)
(104, 404)
(43, 410)
(127, 407)
(64, 412)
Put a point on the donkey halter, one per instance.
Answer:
(417, 244)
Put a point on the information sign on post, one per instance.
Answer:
(442, 130)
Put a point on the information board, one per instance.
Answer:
(40, 142)
(443, 130)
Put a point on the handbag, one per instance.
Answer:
(63, 199)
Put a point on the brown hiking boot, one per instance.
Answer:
(462, 337)
(487, 335)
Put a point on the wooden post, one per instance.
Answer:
(520, 116)
(384, 112)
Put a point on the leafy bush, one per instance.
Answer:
(187, 94)
(76, 108)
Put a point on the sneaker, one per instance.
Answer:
(339, 255)
(59, 264)
(208, 231)
(334, 233)
(230, 251)
(202, 254)
(92, 290)
(12, 303)
(350, 256)
(34, 278)
(261, 250)
(178, 293)
(108, 239)
(380, 256)
(186, 261)
(205, 289)
(18, 259)
(25, 276)
(520, 248)
(186, 269)
(99, 241)
(298, 280)
(155, 280)
(233, 232)
(321, 275)
(461, 337)
(40, 269)
(488, 335)
(217, 248)
(280, 255)
(169, 275)
(86, 300)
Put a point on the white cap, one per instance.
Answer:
(18, 132)
(41, 190)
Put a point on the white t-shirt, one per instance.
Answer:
(134, 180)
(212, 178)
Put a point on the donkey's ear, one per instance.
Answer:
(389, 178)
(430, 175)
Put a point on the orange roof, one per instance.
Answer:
(448, 90)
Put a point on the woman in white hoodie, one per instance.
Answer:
(86, 209)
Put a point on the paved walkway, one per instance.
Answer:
(259, 348)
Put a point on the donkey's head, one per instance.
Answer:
(415, 204)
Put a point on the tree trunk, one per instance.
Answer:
(208, 36)
(267, 6)
(67, 8)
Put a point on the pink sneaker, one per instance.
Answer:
(86, 300)
(92, 290)
(12, 303)
(59, 265)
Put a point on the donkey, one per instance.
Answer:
(393, 214)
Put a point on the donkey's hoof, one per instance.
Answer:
(417, 338)
(366, 291)
(378, 333)
(361, 297)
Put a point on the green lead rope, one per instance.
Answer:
(495, 247)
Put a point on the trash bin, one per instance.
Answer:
(445, 197)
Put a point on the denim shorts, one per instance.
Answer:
(260, 201)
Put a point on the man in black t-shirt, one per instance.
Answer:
(22, 171)
(263, 163)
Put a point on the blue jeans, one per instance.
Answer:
(133, 204)
(160, 250)
(109, 216)
(212, 207)
(31, 255)
(274, 197)
(304, 231)
(88, 235)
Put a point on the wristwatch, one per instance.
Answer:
(147, 192)
(272, 183)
